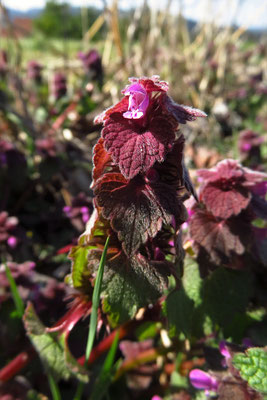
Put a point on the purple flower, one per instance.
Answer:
(7, 224)
(79, 211)
(34, 71)
(202, 380)
(249, 140)
(59, 85)
(138, 101)
(12, 241)
(92, 64)
(224, 350)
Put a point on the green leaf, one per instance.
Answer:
(253, 367)
(147, 330)
(179, 308)
(192, 281)
(226, 292)
(178, 381)
(130, 284)
(79, 267)
(51, 348)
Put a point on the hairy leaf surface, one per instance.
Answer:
(218, 237)
(137, 208)
(51, 348)
(253, 367)
(225, 203)
(129, 284)
(134, 147)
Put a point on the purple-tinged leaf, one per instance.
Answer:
(225, 203)
(182, 113)
(217, 236)
(137, 209)
(101, 159)
(136, 147)
(226, 189)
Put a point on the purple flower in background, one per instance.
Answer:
(3, 63)
(249, 141)
(47, 146)
(79, 211)
(34, 72)
(22, 273)
(12, 241)
(4, 147)
(224, 350)
(59, 85)
(138, 101)
(7, 225)
(202, 380)
(92, 64)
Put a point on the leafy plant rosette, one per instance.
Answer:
(140, 183)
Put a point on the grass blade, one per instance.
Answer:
(53, 387)
(15, 293)
(94, 313)
(106, 372)
(95, 303)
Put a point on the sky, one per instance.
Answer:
(248, 13)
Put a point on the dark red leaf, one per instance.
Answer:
(135, 148)
(225, 203)
(226, 189)
(182, 113)
(217, 236)
(137, 208)
(120, 107)
(226, 169)
(101, 159)
(230, 172)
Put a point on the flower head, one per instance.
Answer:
(202, 380)
(138, 101)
